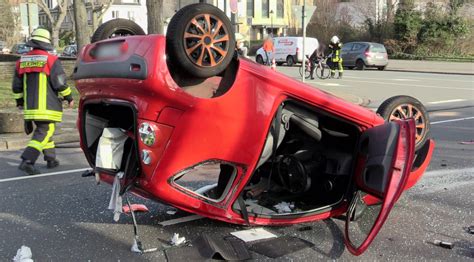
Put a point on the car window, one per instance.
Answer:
(347, 47)
(357, 47)
(377, 48)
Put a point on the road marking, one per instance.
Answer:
(180, 220)
(411, 85)
(327, 84)
(12, 163)
(452, 120)
(44, 175)
(446, 101)
(404, 80)
(416, 79)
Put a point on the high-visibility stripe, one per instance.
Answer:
(42, 94)
(65, 92)
(49, 134)
(25, 101)
(43, 112)
(17, 95)
(43, 117)
(36, 145)
(49, 145)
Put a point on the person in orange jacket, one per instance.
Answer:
(269, 49)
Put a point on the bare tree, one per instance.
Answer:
(155, 16)
(98, 10)
(7, 24)
(324, 22)
(81, 25)
(56, 19)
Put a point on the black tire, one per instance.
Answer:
(360, 65)
(323, 72)
(350, 67)
(279, 63)
(259, 59)
(116, 27)
(290, 61)
(381, 68)
(306, 73)
(198, 53)
(398, 107)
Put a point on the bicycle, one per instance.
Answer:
(322, 69)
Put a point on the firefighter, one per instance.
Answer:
(335, 60)
(38, 81)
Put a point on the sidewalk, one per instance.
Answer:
(437, 67)
(66, 132)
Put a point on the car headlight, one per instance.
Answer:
(146, 157)
(147, 134)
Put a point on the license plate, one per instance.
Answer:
(379, 56)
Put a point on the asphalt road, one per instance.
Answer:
(64, 217)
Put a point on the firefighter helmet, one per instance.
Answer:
(42, 35)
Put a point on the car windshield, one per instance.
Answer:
(377, 48)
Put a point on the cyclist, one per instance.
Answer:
(315, 57)
(335, 60)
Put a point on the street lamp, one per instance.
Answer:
(271, 22)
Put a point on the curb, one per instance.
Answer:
(429, 72)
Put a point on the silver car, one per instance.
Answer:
(361, 55)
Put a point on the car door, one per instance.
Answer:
(345, 54)
(384, 162)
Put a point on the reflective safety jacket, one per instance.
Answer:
(39, 79)
(335, 52)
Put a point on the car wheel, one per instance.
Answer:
(350, 67)
(200, 40)
(381, 68)
(290, 61)
(115, 28)
(259, 59)
(360, 65)
(279, 63)
(404, 107)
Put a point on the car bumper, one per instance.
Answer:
(376, 62)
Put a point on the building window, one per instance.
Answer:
(265, 8)
(250, 8)
(115, 14)
(131, 15)
(280, 8)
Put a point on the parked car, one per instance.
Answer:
(289, 50)
(3, 48)
(21, 48)
(361, 55)
(195, 126)
(70, 51)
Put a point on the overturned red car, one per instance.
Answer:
(220, 136)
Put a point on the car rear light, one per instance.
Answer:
(368, 54)
(147, 134)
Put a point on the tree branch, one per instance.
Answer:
(45, 9)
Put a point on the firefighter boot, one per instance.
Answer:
(28, 167)
(333, 74)
(52, 163)
(339, 76)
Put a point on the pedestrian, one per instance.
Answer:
(335, 60)
(242, 50)
(315, 57)
(269, 49)
(39, 79)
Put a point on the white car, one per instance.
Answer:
(289, 50)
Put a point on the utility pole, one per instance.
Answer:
(28, 15)
(303, 13)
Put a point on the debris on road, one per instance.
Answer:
(467, 142)
(305, 228)
(253, 234)
(179, 220)
(284, 207)
(444, 244)
(135, 208)
(176, 240)
(470, 230)
(23, 254)
(172, 212)
(115, 203)
(278, 247)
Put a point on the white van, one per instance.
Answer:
(289, 50)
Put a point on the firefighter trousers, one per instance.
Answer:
(336, 66)
(41, 142)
